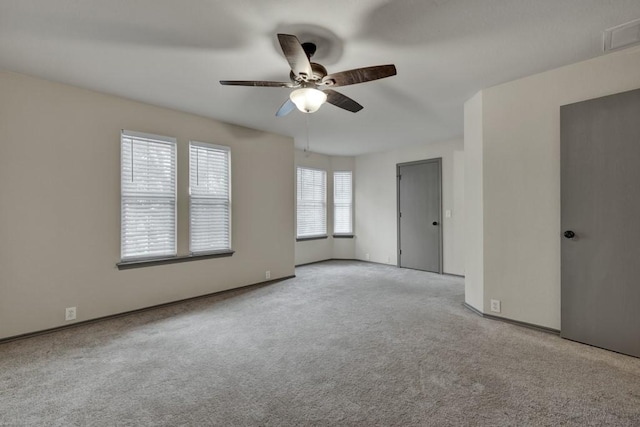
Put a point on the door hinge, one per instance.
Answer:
(399, 177)
(400, 214)
(400, 251)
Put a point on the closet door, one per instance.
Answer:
(600, 199)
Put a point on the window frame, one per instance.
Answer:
(217, 147)
(335, 205)
(133, 135)
(324, 234)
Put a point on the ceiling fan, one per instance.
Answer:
(311, 81)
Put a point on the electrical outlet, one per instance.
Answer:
(366, 256)
(70, 313)
(495, 305)
(267, 274)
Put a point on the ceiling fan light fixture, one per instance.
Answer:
(308, 99)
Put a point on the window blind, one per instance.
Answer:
(311, 202)
(210, 197)
(342, 202)
(148, 196)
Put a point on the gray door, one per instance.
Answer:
(600, 177)
(419, 215)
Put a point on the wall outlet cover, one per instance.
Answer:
(70, 313)
(495, 305)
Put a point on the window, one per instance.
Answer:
(148, 196)
(342, 203)
(210, 198)
(311, 202)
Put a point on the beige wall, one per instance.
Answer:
(376, 203)
(60, 206)
(520, 137)
(322, 249)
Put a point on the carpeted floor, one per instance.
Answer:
(344, 343)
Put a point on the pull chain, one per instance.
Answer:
(307, 149)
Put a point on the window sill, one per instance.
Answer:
(343, 236)
(125, 265)
(303, 239)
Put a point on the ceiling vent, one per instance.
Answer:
(622, 36)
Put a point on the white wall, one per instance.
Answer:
(473, 220)
(60, 206)
(521, 179)
(376, 203)
(322, 249)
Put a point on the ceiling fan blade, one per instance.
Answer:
(286, 108)
(296, 56)
(360, 75)
(342, 101)
(254, 83)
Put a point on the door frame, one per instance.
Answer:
(438, 161)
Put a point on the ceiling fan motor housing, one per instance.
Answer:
(318, 73)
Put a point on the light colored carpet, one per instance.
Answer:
(344, 343)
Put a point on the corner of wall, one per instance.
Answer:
(473, 202)
(329, 248)
(512, 139)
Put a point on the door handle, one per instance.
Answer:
(569, 234)
(434, 223)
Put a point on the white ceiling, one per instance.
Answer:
(172, 53)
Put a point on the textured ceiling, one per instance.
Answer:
(172, 53)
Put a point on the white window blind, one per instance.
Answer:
(148, 196)
(342, 202)
(210, 197)
(311, 202)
